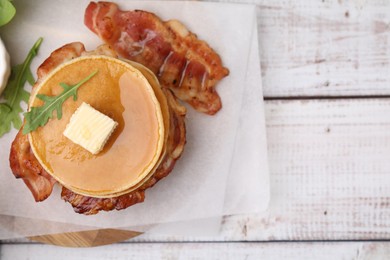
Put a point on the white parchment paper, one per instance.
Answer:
(226, 152)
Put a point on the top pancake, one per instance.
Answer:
(119, 91)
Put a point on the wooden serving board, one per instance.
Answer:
(88, 238)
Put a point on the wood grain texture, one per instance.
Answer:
(177, 251)
(330, 169)
(324, 47)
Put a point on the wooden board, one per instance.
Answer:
(86, 238)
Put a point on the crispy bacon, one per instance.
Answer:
(182, 62)
(89, 205)
(25, 165)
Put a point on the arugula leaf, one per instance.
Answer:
(14, 93)
(38, 116)
(7, 11)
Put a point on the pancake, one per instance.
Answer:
(153, 81)
(122, 92)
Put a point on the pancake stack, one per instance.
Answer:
(128, 93)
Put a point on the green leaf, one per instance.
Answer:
(39, 116)
(14, 93)
(7, 11)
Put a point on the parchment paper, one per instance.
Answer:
(210, 155)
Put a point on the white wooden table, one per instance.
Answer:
(326, 80)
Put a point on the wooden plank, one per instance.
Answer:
(330, 174)
(333, 165)
(324, 48)
(356, 250)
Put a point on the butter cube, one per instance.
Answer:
(89, 128)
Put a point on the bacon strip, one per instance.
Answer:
(24, 165)
(182, 62)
